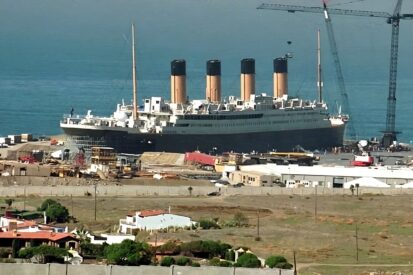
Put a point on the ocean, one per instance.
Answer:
(56, 63)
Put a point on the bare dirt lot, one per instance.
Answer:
(286, 224)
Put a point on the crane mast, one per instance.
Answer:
(340, 78)
(319, 74)
(350, 131)
(390, 133)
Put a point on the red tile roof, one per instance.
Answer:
(26, 223)
(148, 213)
(43, 235)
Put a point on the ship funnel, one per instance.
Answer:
(247, 78)
(280, 77)
(178, 81)
(213, 81)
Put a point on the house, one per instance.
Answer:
(110, 238)
(103, 238)
(10, 224)
(28, 239)
(149, 220)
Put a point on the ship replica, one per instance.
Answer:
(251, 122)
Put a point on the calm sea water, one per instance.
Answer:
(51, 62)
(33, 105)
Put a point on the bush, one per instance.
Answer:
(170, 248)
(182, 261)
(9, 202)
(54, 210)
(240, 219)
(225, 264)
(167, 261)
(128, 252)
(4, 252)
(205, 249)
(46, 204)
(50, 253)
(195, 264)
(214, 261)
(284, 266)
(93, 250)
(248, 260)
(57, 212)
(230, 255)
(272, 261)
(208, 224)
(217, 262)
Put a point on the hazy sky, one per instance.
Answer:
(48, 32)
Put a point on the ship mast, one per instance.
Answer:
(319, 80)
(135, 108)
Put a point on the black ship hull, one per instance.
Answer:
(124, 142)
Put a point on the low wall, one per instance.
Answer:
(148, 191)
(62, 269)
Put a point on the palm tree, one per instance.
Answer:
(9, 202)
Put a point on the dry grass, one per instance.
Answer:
(287, 223)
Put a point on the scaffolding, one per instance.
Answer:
(83, 143)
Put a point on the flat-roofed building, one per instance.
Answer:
(253, 178)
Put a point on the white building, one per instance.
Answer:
(110, 238)
(331, 176)
(149, 220)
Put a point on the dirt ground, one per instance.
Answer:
(321, 231)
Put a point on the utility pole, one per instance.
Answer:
(96, 185)
(258, 224)
(71, 202)
(315, 204)
(357, 188)
(295, 264)
(24, 199)
(357, 243)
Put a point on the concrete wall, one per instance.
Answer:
(145, 191)
(62, 269)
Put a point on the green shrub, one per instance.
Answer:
(51, 253)
(46, 204)
(240, 219)
(248, 260)
(208, 224)
(225, 264)
(170, 248)
(167, 261)
(128, 252)
(9, 202)
(54, 210)
(93, 250)
(217, 262)
(272, 261)
(284, 265)
(214, 261)
(4, 252)
(58, 213)
(182, 261)
(230, 255)
(205, 249)
(195, 264)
